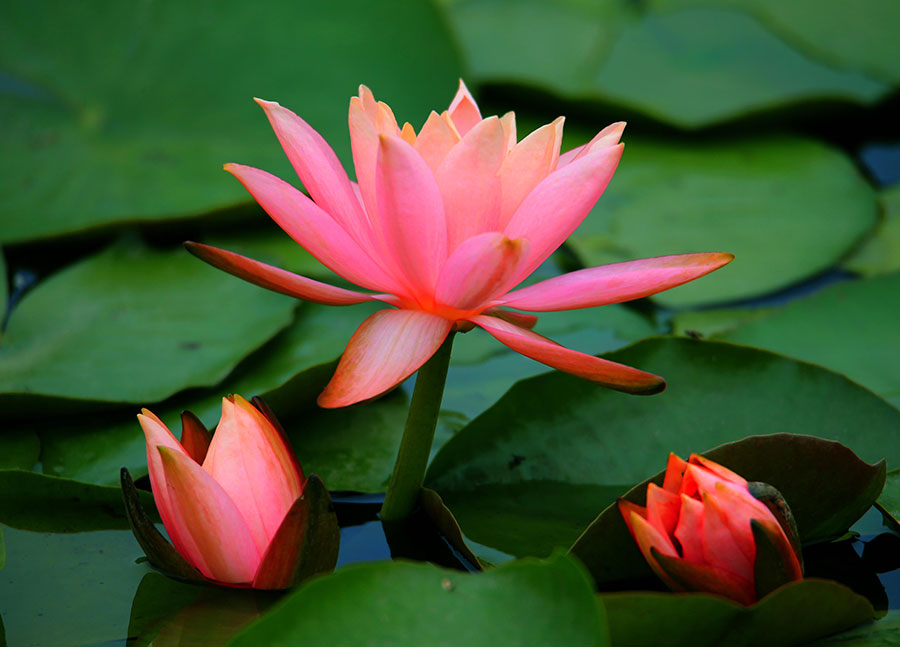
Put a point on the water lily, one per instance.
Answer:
(236, 505)
(705, 530)
(442, 226)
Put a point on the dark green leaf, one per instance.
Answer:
(889, 501)
(390, 603)
(132, 325)
(759, 199)
(881, 253)
(19, 450)
(794, 614)
(883, 633)
(126, 110)
(848, 327)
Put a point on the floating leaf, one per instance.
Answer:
(126, 110)
(593, 437)
(787, 208)
(529, 602)
(883, 633)
(794, 614)
(847, 327)
(131, 325)
(881, 253)
(19, 450)
(889, 501)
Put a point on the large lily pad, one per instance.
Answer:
(19, 450)
(794, 614)
(593, 437)
(889, 501)
(850, 327)
(288, 373)
(787, 208)
(881, 253)
(883, 633)
(390, 603)
(126, 111)
(131, 324)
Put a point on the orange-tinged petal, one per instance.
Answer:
(249, 459)
(594, 369)
(386, 349)
(469, 183)
(615, 283)
(364, 144)
(435, 140)
(689, 531)
(609, 136)
(721, 547)
(719, 470)
(690, 576)
(463, 110)
(528, 163)
(195, 437)
(279, 280)
(478, 269)
(408, 133)
(519, 319)
(662, 509)
(203, 512)
(508, 122)
(368, 103)
(675, 467)
(648, 538)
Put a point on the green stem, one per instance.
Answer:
(415, 448)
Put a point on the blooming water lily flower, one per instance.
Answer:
(704, 530)
(442, 226)
(236, 506)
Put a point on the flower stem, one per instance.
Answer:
(415, 447)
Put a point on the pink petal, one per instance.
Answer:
(435, 140)
(615, 283)
(689, 530)
(706, 578)
(555, 208)
(647, 537)
(195, 437)
(516, 318)
(277, 279)
(478, 269)
(508, 122)
(719, 470)
(675, 467)
(469, 183)
(364, 144)
(609, 136)
(319, 169)
(463, 110)
(315, 230)
(158, 435)
(594, 369)
(386, 349)
(527, 164)
(721, 548)
(411, 223)
(249, 459)
(662, 509)
(203, 512)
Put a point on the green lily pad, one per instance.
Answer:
(883, 633)
(41, 503)
(858, 37)
(288, 373)
(759, 199)
(793, 464)
(794, 614)
(389, 603)
(881, 253)
(889, 501)
(4, 290)
(591, 437)
(131, 324)
(19, 450)
(126, 111)
(848, 327)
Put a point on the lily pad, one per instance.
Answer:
(759, 199)
(388, 603)
(883, 633)
(889, 501)
(131, 324)
(794, 614)
(288, 373)
(591, 437)
(848, 327)
(20, 450)
(126, 111)
(881, 253)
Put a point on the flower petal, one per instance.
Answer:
(615, 283)
(463, 110)
(364, 144)
(706, 578)
(314, 229)
(689, 531)
(719, 470)
(662, 509)
(609, 136)
(469, 183)
(721, 547)
(203, 512)
(647, 538)
(478, 269)
(411, 224)
(675, 467)
(195, 437)
(386, 349)
(319, 169)
(277, 279)
(249, 459)
(532, 159)
(556, 206)
(519, 319)
(594, 369)
(435, 140)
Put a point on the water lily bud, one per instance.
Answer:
(704, 530)
(237, 506)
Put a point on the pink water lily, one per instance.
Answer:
(232, 505)
(442, 226)
(697, 531)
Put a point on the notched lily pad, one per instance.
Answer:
(824, 508)
(795, 613)
(880, 254)
(889, 501)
